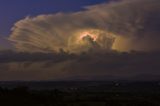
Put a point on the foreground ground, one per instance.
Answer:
(92, 96)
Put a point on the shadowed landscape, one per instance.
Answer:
(80, 93)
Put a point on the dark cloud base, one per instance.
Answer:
(86, 66)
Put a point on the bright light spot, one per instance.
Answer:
(91, 34)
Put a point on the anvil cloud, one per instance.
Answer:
(123, 25)
(109, 41)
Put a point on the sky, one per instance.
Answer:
(80, 40)
(13, 11)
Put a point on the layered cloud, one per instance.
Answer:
(123, 25)
(95, 66)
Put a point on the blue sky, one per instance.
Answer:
(14, 10)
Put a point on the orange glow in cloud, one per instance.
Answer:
(87, 33)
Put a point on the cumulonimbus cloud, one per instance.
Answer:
(123, 25)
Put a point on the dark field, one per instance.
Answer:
(80, 93)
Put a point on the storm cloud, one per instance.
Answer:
(86, 66)
(108, 41)
(122, 25)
